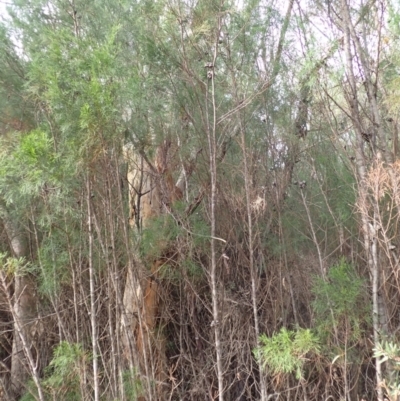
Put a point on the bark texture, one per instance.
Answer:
(24, 314)
(151, 194)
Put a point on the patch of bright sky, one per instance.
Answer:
(3, 9)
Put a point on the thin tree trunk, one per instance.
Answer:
(20, 324)
(369, 231)
(253, 273)
(92, 292)
(212, 148)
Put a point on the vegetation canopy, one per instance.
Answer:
(199, 200)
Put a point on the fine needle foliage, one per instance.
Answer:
(63, 376)
(65, 371)
(287, 351)
(179, 177)
(340, 302)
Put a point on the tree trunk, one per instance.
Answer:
(367, 204)
(24, 314)
(151, 192)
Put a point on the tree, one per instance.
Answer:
(189, 182)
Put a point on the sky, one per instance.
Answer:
(3, 5)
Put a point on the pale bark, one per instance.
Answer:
(211, 121)
(93, 320)
(369, 230)
(151, 193)
(23, 309)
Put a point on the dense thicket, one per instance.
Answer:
(199, 200)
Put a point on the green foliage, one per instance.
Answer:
(63, 375)
(188, 267)
(159, 232)
(15, 110)
(169, 273)
(55, 263)
(193, 270)
(14, 267)
(342, 288)
(65, 370)
(200, 230)
(29, 160)
(132, 385)
(340, 300)
(287, 351)
(97, 73)
(31, 394)
(389, 352)
(77, 78)
(329, 194)
(35, 147)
